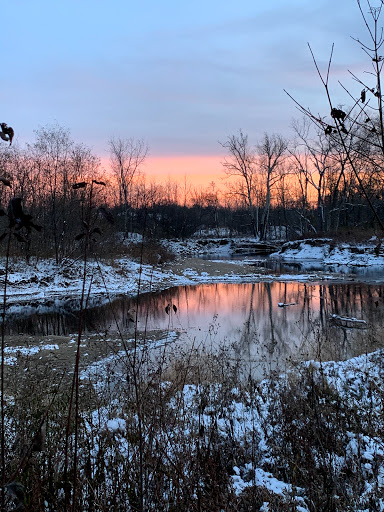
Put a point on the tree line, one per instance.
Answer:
(275, 188)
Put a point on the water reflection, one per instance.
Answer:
(372, 273)
(246, 317)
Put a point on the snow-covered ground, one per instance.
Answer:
(320, 250)
(355, 388)
(45, 282)
(215, 247)
(324, 250)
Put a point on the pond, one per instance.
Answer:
(369, 273)
(249, 318)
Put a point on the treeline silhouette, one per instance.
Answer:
(46, 175)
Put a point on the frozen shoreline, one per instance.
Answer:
(44, 282)
(329, 253)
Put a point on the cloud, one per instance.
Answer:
(182, 75)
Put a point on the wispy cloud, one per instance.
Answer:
(182, 75)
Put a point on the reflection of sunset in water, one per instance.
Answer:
(232, 302)
(245, 317)
(249, 317)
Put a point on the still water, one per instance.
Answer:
(371, 273)
(246, 317)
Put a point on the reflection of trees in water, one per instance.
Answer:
(303, 331)
(244, 314)
(57, 324)
(266, 338)
(356, 300)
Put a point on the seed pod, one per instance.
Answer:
(81, 184)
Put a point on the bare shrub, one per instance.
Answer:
(150, 252)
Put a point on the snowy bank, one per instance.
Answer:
(328, 252)
(45, 284)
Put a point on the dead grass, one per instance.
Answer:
(168, 437)
(151, 252)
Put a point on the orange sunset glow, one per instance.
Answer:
(198, 170)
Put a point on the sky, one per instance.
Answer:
(181, 75)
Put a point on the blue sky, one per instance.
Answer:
(182, 75)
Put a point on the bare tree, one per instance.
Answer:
(242, 162)
(312, 159)
(50, 155)
(127, 158)
(43, 178)
(363, 122)
(272, 152)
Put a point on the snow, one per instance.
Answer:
(25, 351)
(45, 281)
(10, 361)
(217, 247)
(348, 321)
(262, 479)
(354, 381)
(266, 479)
(29, 351)
(135, 238)
(116, 424)
(325, 251)
(98, 371)
(46, 285)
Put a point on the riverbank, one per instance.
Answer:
(328, 252)
(44, 283)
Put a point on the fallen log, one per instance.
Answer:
(350, 323)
